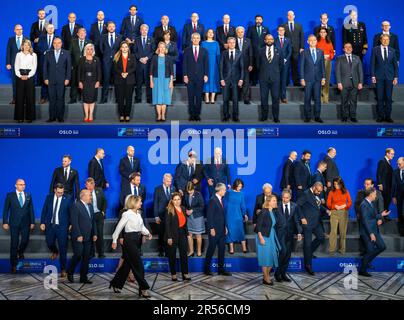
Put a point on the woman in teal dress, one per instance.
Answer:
(212, 86)
(268, 246)
(236, 215)
(161, 80)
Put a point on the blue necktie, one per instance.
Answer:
(20, 200)
(133, 21)
(57, 56)
(18, 43)
(291, 27)
(131, 163)
(167, 193)
(111, 41)
(313, 55)
(144, 42)
(88, 210)
(71, 29)
(100, 27)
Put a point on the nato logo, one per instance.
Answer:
(400, 265)
(295, 264)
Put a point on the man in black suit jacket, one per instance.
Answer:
(302, 174)
(96, 169)
(284, 45)
(287, 172)
(332, 171)
(67, 176)
(45, 44)
(19, 218)
(97, 30)
(245, 47)
(324, 24)
(217, 230)
(270, 64)
(188, 171)
(133, 187)
(225, 31)
(77, 52)
(69, 31)
(194, 26)
(260, 200)
(384, 72)
(216, 170)
(231, 73)
(195, 68)
(294, 31)
(159, 30)
(130, 28)
(394, 43)
(384, 176)
(83, 233)
(128, 165)
(398, 193)
(38, 28)
(57, 70)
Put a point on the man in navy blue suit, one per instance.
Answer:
(195, 68)
(217, 230)
(69, 31)
(188, 171)
(133, 187)
(369, 230)
(310, 211)
(110, 43)
(145, 48)
(83, 233)
(19, 218)
(270, 63)
(231, 72)
(245, 47)
(55, 222)
(284, 45)
(130, 28)
(128, 165)
(384, 72)
(190, 28)
(13, 47)
(318, 176)
(96, 169)
(225, 31)
(398, 193)
(217, 171)
(97, 30)
(57, 70)
(312, 77)
(302, 174)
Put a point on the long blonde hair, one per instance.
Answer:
(158, 49)
(118, 55)
(31, 51)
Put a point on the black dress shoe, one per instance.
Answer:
(379, 120)
(101, 256)
(309, 270)
(314, 257)
(86, 281)
(285, 278)
(61, 120)
(354, 120)
(277, 120)
(262, 119)
(161, 254)
(20, 121)
(198, 118)
(224, 273)
(389, 120)
(70, 278)
(50, 120)
(28, 121)
(364, 274)
(306, 120)
(247, 102)
(236, 119)
(208, 273)
(138, 100)
(319, 120)
(224, 119)
(103, 101)
(278, 278)
(21, 256)
(344, 119)
(191, 118)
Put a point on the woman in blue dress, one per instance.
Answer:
(161, 80)
(268, 246)
(212, 86)
(236, 215)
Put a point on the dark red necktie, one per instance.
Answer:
(194, 27)
(225, 30)
(196, 55)
(281, 42)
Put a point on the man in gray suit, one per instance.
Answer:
(349, 76)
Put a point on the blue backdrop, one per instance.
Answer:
(210, 12)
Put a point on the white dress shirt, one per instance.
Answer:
(23, 196)
(272, 51)
(67, 173)
(197, 50)
(234, 53)
(95, 203)
(134, 189)
(286, 205)
(218, 161)
(132, 222)
(25, 61)
(387, 50)
(55, 198)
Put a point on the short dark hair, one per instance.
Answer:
(259, 16)
(321, 163)
(281, 26)
(306, 152)
(369, 191)
(371, 180)
(41, 9)
(68, 156)
(59, 186)
(133, 175)
(133, 6)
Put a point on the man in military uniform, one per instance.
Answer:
(354, 32)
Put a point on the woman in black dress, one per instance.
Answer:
(89, 72)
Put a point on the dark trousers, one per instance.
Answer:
(56, 101)
(74, 84)
(124, 97)
(373, 249)
(17, 246)
(195, 90)
(161, 229)
(286, 240)
(312, 91)
(131, 262)
(25, 99)
(387, 196)
(349, 102)
(384, 93)
(44, 87)
(106, 77)
(285, 75)
(218, 241)
(143, 77)
(55, 232)
(294, 66)
(309, 245)
(265, 87)
(400, 214)
(245, 91)
(182, 246)
(81, 251)
(230, 90)
(99, 244)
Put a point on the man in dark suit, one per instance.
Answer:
(130, 28)
(369, 231)
(318, 176)
(57, 70)
(225, 31)
(69, 31)
(97, 30)
(99, 204)
(354, 32)
(398, 193)
(332, 170)
(19, 218)
(45, 44)
(270, 64)
(77, 52)
(384, 72)
(330, 29)
(349, 77)
(96, 169)
(190, 28)
(159, 30)
(217, 171)
(260, 200)
(302, 174)
(13, 47)
(394, 43)
(128, 165)
(83, 233)
(38, 28)
(195, 68)
(256, 33)
(244, 46)
(287, 225)
(284, 45)
(287, 172)
(133, 187)
(294, 31)
(188, 171)
(110, 43)
(312, 78)
(55, 222)
(161, 198)
(145, 48)
(384, 176)
(231, 73)
(310, 211)
(68, 177)
(217, 230)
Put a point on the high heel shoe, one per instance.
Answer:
(191, 255)
(116, 290)
(270, 283)
(144, 294)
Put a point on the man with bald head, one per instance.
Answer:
(165, 26)
(216, 170)
(393, 39)
(194, 26)
(287, 171)
(69, 31)
(225, 31)
(128, 165)
(98, 29)
(19, 219)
